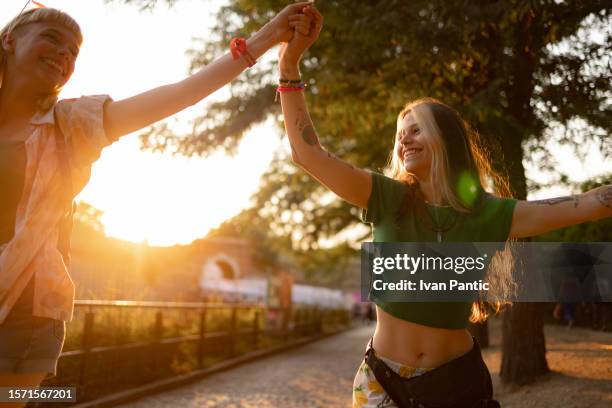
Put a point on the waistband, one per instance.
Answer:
(475, 350)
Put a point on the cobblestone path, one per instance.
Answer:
(319, 374)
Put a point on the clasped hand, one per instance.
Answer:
(297, 27)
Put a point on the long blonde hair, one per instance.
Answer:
(463, 178)
(36, 16)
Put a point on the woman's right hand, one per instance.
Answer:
(291, 52)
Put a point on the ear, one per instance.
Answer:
(8, 42)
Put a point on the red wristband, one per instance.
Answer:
(237, 47)
(288, 89)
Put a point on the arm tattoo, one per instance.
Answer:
(557, 200)
(604, 196)
(309, 135)
(304, 126)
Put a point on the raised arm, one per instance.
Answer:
(127, 115)
(538, 217)
(349, 183)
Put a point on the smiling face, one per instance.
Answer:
(44, 52)
(434, 145)
(412, 146)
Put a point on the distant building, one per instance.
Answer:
(210, 269)
(109, 268)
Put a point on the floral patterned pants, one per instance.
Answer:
(368, 393)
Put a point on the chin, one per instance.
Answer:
(414, 170)
(48, 84)
(45, 86)
(411, 167)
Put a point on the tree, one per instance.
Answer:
(516, 69)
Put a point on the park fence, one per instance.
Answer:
(114, 346)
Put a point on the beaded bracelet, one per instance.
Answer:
(299, 87)
(289, 86)
(290, 81)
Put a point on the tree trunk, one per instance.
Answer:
(523, 344)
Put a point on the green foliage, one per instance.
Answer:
(515, 69)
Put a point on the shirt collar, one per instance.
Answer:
(45, 118)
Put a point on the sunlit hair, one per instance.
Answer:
(462, 180)
(39, 15)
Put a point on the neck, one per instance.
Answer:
(430, 193)
(18, 102)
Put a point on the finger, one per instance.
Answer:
(313, 27)
(317, 19)
(299, 17)
(297, 7)
(303, 29)
(307, 22)
(314, 13)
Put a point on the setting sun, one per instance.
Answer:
(169, 200)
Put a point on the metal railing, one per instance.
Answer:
(104, 357)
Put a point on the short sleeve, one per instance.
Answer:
(497, 217)
(386, 197)
(82, 122)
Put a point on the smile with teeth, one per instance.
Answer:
(412, 151)
(54, 65)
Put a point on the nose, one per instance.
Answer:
(405, 139)
(64, 51)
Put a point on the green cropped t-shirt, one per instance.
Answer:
(491, 222)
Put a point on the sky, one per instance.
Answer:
(168, 200)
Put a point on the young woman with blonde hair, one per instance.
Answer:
(46, 152)
(434, 191)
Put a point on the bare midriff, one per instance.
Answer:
(416, 345)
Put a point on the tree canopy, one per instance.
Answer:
(517, 70)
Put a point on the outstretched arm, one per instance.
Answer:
(538, 217)
(127, 115)
(351, 184)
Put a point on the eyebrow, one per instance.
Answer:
(411, 127)
(61, 35)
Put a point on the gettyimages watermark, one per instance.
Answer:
(492, 271)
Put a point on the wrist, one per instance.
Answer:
(289, 70)
(268, 35)
(264, 38)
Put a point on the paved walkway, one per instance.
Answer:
(319, 374)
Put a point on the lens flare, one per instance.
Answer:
(467, 188)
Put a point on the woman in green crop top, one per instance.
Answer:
(433, 191)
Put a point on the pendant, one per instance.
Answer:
(439, 236)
